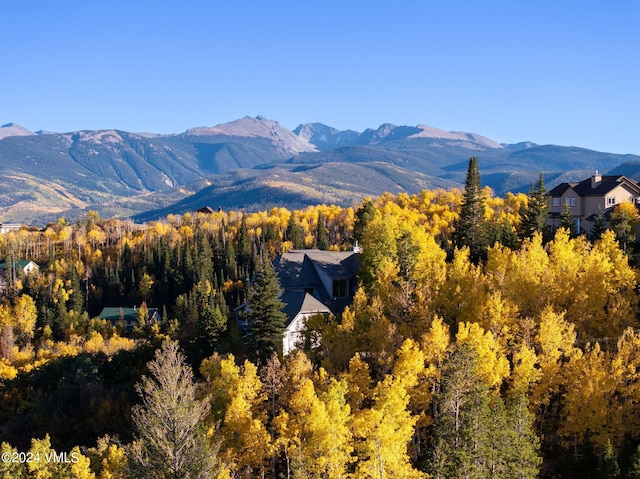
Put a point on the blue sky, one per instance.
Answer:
(564, 73)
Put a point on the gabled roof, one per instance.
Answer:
(607, 183)
(298, 269)
(128, 314)
(304, 271)
(297, 302)
(21, 263)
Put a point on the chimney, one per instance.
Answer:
(596, 179)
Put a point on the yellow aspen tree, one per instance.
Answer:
(237, 404)
(611, 286)
(51, 464)
(566, 256)
(524, 371)
(589, 410)
(493, 366)
(11, 469)
(555, 345)
(358, 380)
(529, 278)
(385, 430)
(500, 317)
(111, 459)
(315, 432)
(624, 367)
(463, 290)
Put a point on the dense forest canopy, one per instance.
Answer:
(504, 351)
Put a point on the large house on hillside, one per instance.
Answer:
(312, 282)
(587, 198)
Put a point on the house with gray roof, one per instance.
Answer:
(587, 198)
(314, 282)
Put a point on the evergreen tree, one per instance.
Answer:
(522, 448)
(460, 446)
(265, 313)
(363, 216)
(171, 441)
(470, 225)
(634, 468)
(599, 226)
(567, 222)
(608, 467)
(534, 215)
(322, 234)
(294, 233)
(476, 436)
(245, 249)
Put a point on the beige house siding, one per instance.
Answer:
(589, 197)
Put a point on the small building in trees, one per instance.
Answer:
(6, 227)
(10, 271)
(590, 199)
(128, 316)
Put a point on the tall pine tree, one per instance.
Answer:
(470, 225)
(534, 215)
(265, 314)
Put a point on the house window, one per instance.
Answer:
(611, 201)
(556, 202)
(571, 201)
(339, 288)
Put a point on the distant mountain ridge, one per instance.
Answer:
(254, 162)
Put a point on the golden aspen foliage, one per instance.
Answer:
(7, 371)
(358, 381)
(10, 469)
(463, 290)
(521, 276)
(384, 431)
(555, 345)
(589, 406)
(500, 317)
(493, 366)
(237, 405)
(49, 467)
(314, 433)
(524, 371)
(624, 367)
(109, 460)
(25, 316)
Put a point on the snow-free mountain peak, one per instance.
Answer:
(284, 139)
(13, 129)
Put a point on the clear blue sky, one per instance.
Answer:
(561, 72)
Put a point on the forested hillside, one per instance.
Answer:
(511, 352)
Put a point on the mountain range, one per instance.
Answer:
(256, 163)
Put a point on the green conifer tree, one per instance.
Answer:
(265, 314)
(363, 216)
(470, 225)
(599, 226)
(534, 215)
(608, 467)
(634, 468)
(294, 233)
(322, 234)
(567, 222)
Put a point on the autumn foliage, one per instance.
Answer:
(520, 360)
